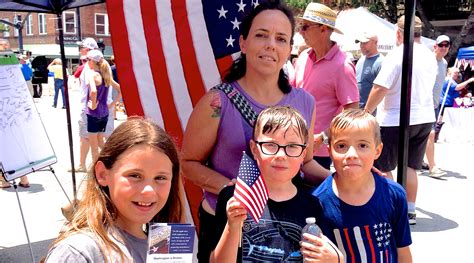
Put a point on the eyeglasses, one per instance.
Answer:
(443, 45)
(306, 27)
(291, 150)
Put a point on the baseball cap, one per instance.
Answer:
(89, 43)
(442, 38)
(366, 36)
(95, 55)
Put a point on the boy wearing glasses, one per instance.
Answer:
(278, 146)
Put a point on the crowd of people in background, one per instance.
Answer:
(324, 136)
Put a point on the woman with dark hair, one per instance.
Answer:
(217, 132)
(135, 180)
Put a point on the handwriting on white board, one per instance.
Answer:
(15, 106)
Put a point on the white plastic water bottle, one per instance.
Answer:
(311, 227)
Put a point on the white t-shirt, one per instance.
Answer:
(423, 79)
(83, 86)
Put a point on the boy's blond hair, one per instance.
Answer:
(355, 118)
(281, 117)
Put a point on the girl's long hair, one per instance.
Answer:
(96, 212)
(105, 72)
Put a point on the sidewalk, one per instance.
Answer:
(443, 218)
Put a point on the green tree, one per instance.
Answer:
(3, 27)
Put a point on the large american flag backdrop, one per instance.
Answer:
(169, 53)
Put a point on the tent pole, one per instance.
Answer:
(405, 99)
(68, 111)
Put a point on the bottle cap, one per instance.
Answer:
(310, 220)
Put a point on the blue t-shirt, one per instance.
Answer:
(371, 232)
(452, 92)
(366, 71)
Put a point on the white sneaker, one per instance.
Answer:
(437, 173)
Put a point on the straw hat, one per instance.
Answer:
(320, 14)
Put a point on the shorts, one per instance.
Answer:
(436, 111)
(417, 138)
(96, 124)
(83, 125)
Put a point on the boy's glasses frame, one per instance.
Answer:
(443, 45)
(296, 152)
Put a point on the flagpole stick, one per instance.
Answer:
(240, 235)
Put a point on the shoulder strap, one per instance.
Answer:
(239, 102)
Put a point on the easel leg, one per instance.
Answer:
(23, 219)
(64, 191)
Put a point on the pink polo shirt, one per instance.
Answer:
(332, 82)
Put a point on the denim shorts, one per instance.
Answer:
(82, 122)
(96, 124)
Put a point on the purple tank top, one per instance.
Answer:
(102, 110)
(234, 133)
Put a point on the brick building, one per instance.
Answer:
(40, 30)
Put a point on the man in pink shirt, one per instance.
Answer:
(324, 71)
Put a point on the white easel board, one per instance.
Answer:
(24, 143)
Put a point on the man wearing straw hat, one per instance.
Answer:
(324, 71)
(387, 92)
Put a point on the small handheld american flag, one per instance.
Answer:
(250, 189)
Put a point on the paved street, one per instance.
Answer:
(444, 217)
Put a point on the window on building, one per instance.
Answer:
(101, 24)
(69, 22)
(29, 25)
(42, 24)
(5, 28)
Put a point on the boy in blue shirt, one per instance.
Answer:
(364, 214)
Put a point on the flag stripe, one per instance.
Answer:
(245, 201)
(245, 188)
(205, 56)
(123, 57)
(172, 59)
(360, 244)
(369, 238)
(260, 192)
(141, 62)
(349, 245)
(160, 76)
(186, 49)
(340, 244)
(223, 64)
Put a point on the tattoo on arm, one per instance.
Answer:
(216, 105)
